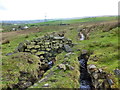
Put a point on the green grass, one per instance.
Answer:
(62, 78)
(56, 22)
(15, 40)
(104, 49)
(96, 19)
(104, 46)
(73, 21)
(14, 64)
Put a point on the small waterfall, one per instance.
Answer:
(82, 37)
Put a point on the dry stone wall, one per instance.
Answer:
(46, 48)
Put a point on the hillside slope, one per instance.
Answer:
(99, 49)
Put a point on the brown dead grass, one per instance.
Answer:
(13, 34)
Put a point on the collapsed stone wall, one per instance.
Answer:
(100, 79)
(46, 48)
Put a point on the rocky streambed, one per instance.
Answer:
(85, 79)
(92, 77)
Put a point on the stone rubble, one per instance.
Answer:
(99, 77)
(46, 48)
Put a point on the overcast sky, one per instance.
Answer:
(37, 9)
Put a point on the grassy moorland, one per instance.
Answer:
(73, 21)
(101, 40)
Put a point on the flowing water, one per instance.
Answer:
(82, 37)
(85, 80)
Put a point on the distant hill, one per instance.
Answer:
(23, 22)
(42, 20)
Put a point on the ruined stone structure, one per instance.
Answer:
(46, 48)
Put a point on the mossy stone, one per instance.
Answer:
(54, 42)
(33, 51)
(27, 42)
(47, 43)
(62, 66)
(40, 43)
(56, 47)
(33, 43)
(30, 46)
(48, 49)
(27, 50)
(39, 53)
(21, 47)
(36, 46)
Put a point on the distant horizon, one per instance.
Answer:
(62, 18)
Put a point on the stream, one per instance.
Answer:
(82, 36)
(85, 79)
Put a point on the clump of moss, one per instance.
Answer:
(19, 67)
